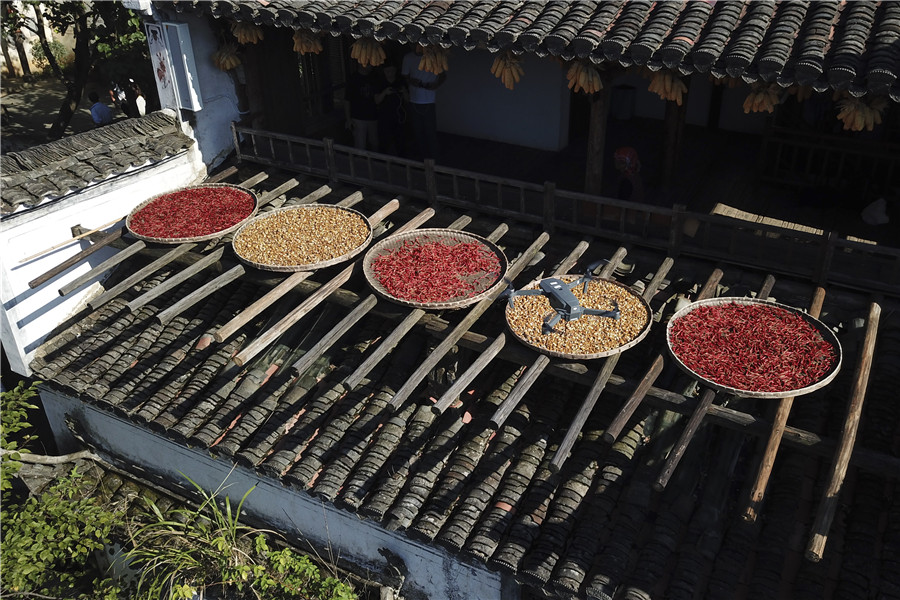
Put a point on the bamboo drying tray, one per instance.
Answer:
(820, 327)
(589, 356)
(309, 266)
(427, 236)
(201, 238)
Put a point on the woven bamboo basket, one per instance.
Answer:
(820, 327)
(201, 238)
(588, 356)
(309, 266)
(427, 236)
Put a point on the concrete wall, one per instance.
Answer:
(472, 102)
(433, 573)
(28, 315)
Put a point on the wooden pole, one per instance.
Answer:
(170, 283)
(199, 294)
(106, 265)
(779, 422)
(316, 298)
(222, 175)
(453, 392)
(74, 260)
(153, 267)
(361, 309)
(827, 508)
(474, 313)
(69, 241)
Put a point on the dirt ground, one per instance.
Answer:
(28, 110)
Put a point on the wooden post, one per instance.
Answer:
(593, 178)
(820, 277)
(431, 183)
(828, 506)
(549, 205)
(330, 160)
(676, 233)
(779, 422)
(235, 138)
(674, 128)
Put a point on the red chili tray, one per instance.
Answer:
(200, 238)
(422, 237)
(826, 336)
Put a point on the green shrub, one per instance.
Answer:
(14, 407)
(49, 540)
(62, 54)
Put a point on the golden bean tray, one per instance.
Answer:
(309, 266)
(200, 238)
(592, 355)
(823, 330)
(427, 236)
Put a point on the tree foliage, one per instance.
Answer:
(107, 35)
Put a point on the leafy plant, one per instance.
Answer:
(14, 407)
(49, 540)
(59, 51)
(191, 548)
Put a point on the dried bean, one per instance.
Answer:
(301, 236)
(588, 334)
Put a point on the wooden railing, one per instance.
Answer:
(822, 258)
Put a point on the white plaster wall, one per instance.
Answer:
(474, 103)
(294, 513)
(211, 125)
(28, 315)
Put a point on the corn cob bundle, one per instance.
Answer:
(434, 60)
(306, 42)
(246, 33)
(803, 92)
(856, 114)
(508, 68)
(367, 52)
(728, 82)
(226, 58)
(762, 97)
(668, 86)
(584, 77)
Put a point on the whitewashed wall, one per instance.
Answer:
(28, 315)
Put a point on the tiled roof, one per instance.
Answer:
(825, 44)
(594, 529)
(33, 176)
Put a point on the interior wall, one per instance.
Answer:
(474, 103)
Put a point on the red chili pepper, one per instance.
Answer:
(752, 347)
(437, 272)
(193, 212)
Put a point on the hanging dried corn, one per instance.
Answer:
(584, 77)
(507, 68)
(306, 42)
(668, 86)
(434, 60)
(762, 97)
(856, 114)
(728, 82)
(246, 33)
(226, 58)
(367, 52)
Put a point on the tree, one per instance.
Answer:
(103, 32)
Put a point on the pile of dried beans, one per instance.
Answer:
(751, 347)
(193, 212)
(437, 271)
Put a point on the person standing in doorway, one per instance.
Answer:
(361, 110)
(422, 94)
(392, 109)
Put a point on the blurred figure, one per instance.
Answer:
(100, 112)
(628, 165)
(138, 102)
(361, 110)
(422, 95)
(392, 101)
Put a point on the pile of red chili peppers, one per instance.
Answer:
(437, 272)
(751, 347)
(193, 212)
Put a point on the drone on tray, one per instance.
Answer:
(564, 303)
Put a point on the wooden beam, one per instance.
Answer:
(74, 260)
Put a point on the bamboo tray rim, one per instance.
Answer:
(198, 238)
(437, 234)
(308, 266)
(823, 330)
(594, 355)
